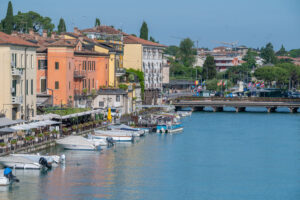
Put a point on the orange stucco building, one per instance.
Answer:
(68, 68)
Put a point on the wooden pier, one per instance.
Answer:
(240, 104)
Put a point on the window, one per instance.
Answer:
(43, 85)
(14, 60)
(42, 64)
(118, 98)
(31, 87)
(106, 66)
(56, 65)
(31, 61)
(69, 85)
(89, 84)
(69, 66)
(26, 87)
(56, 85)
(93, 84)
(101, 104)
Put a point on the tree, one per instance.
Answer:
(250, 58)
(186, 52)
(61, 26)
(281, 52)
(8, 22)
(171, 50)
(268, 54)
(144, 31)
(97, 22)
(153, 40)
(294, 53)
(32, 20)
(209, 68)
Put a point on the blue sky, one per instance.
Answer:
(251, 22)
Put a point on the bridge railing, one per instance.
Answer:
(253, 99)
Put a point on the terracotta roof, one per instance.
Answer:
(12, 40)
(102, 29)
(64, 43)
(130, 39)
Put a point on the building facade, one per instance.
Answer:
(17, 77)
(146, 56)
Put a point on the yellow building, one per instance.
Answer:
(17, 77)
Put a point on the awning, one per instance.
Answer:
(7, 130)
(45, 117)
(22, 127)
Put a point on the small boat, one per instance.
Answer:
(173, 128)
(184, 113)
(36, 157)
(8, 178)
(135, 131)
(78, 143)
(19, 163)
(117, 136)
(100, 141)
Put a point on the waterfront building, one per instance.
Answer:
(17, 77)
(107, 35)
(69, 69)
(112, 98)
(146, 56)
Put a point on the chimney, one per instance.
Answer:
(76, 30)
(31, 31)
(53, 35)
(45, 34)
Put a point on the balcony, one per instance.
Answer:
(79, 74)
(16, 72)
(120, 72)
(17, 100)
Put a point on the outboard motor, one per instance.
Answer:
(110, 140)
(43, 161)
(8, 174)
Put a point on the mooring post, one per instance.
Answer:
(293, 109)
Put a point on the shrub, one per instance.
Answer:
(46, 133)
(40, 135)
(13, 141)
(2, 144)
(65, 130)
(74, 127)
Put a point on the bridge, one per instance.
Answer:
(240, 104)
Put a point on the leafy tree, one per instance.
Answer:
(97, 22)
(186, 52)
(239, 73)
(133, 35)
(153, 40)
(281, 52)
(32, 20)
(294, 53)
(250, 58)
(209, 68)
(61, 26)
(8, 22)
(269, 74)
(268, 54)
(144, 31)
(171, 50)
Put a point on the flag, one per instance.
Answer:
(262, 84)
(249, 84)
(257, 84)
(196, 82)
(225, 82)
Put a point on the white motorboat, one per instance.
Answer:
(4, 181)
(78, 143)
(19, 163)
(100, 141)
(117, 136)
(184, 113)
(135, 131)
(36, 157)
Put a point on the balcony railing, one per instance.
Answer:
(16, 72)
(120, 72)
(79, 74)
(17, 100)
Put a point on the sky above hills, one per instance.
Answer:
(250, 22)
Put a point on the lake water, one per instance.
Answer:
(219, 156)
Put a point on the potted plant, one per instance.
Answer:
(2, 144)
(65, 131)
(80, 126)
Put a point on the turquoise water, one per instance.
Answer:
(219, 156)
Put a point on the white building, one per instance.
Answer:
(17, 77)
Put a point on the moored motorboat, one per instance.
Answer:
(117, 136)
(135, 131)
(19, 162)
(100, 141)
(77, 143)
(8, 178)
(36, 157)
(172, 128)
